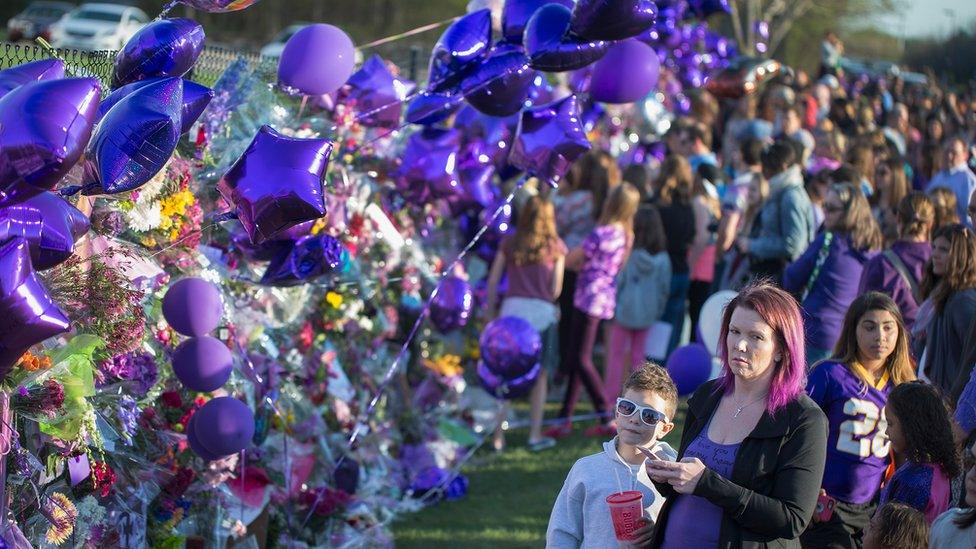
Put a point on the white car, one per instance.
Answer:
(98, 27)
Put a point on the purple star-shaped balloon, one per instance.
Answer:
(45, 69)
(377, 92)
(549, 138)
(44, 127)
(277, 183)
(50, 225)
(430, 164)
(27, 314)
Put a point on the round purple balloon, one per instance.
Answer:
(627, 73)
(689, 367)
(224, 426)
(451, 307)
(316, 60)
(44, 128)
(203, 364)
(192, 306)
(166, 47)
(194, 441)
(507, 388)
(510, 346)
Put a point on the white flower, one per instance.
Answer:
(152, 189)
(144, 217)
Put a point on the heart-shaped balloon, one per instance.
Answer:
(166, 47)
(499, 85)
(549, 139)
(429, 108)
(516, 14)
(196, 97)
(277, 183)
(377, 95)
(44, 127)
(136, 138)
(550, 46)
(464, 43)
(612, 19)
(27, 313)
(45, 69)
(429, 165)
(48, 223)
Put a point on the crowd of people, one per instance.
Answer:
(842, 212)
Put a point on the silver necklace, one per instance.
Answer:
(739, 409)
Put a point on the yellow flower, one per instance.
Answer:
(445, 365)
(149, 242)
(62, 515)
(319, 225)
(334, 299)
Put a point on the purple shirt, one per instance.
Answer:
(596, 285)
(531, 280)
(694, 521)
(857, 448)
(920, 485)
(881, 276)
(833, 290)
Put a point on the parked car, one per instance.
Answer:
(36, 20)
(98, 27)
(277, 45)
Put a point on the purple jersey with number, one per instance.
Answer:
(857, 447)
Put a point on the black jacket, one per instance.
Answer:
(776, 477)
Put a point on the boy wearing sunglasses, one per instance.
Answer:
(644, 415)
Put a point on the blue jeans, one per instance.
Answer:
(676, 307)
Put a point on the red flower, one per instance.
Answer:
(305, 336)
(103, 477)
(172, 399)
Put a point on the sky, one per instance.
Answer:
(930, 17)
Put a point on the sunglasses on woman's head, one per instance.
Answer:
(649, 416)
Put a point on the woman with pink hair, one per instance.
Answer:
(753, 448)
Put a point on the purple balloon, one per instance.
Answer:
(550, 46)
(165, 47)
(612, 19)
(626, 74)
(196, 97)
(540, 91)
(452, 305)
(192, 307)
(49, 224)
(44, 127)
(500, 85)
(503, 388)
(429, 108)
(690, 366)
(463, 44)
(704, 8)
(516, 14)
(510, 347)
(375, 90)
(495, 133)
(224, 426)
(36, 71)
(135, 139)
(218, 6)
(202, 364)
(309, 257)
(549, 139)
(429, 165)
(194, 441)
(27, 313)
(317, 59)
(476, 172)
(277, 183)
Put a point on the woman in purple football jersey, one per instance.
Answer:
(870, 358)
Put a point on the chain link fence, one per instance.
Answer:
(208, 68)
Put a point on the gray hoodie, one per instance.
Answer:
(580, 516)
(643, 286)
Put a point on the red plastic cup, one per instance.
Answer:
(627, 513)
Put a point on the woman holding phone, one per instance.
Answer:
(753, 449)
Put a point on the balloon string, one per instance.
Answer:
(54, 53)
(391, 371)
(407, 34)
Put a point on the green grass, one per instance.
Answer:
(509, 497)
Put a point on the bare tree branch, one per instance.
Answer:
(736, 21)
(782, 27)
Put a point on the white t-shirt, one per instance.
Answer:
(948, 535)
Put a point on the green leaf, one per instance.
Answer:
(451, 430)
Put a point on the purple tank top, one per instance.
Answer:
(694, 521)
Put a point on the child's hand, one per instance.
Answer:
(641, 537)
